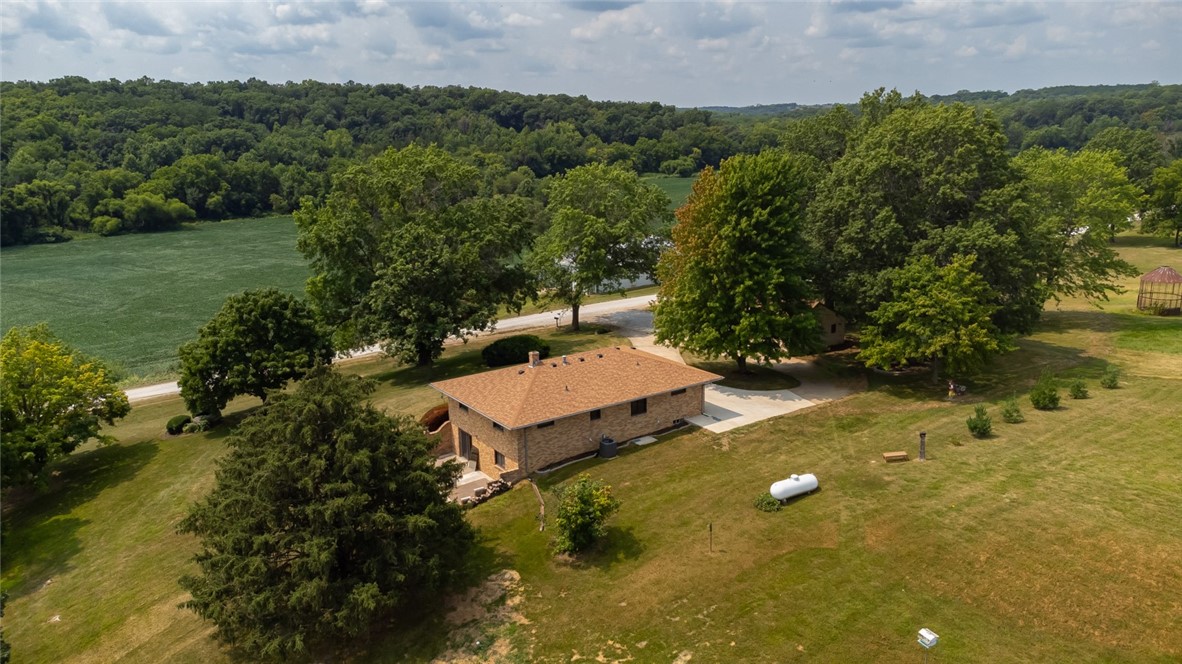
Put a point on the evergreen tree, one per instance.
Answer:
(327, 515)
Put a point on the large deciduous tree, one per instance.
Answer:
(605, 225)
(1164, 215)
(327, 515)
(735, 282)
(926, 180)
(1082, 200)
(256, 342)
(52, 399)
(936, 314)
(406, 252)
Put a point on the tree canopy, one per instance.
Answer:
(407, 252)
(939, 314)
(926, 180)
(52, 399)
(1082, 201)
(735, 282)
(326, 516)
(257, 342)
(605, 228)
(1164, 215)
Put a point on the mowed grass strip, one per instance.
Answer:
(133, 300)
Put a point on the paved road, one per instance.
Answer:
(543, 319)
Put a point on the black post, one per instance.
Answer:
(710, 525)
(923, 445)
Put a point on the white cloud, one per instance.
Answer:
(628, 21)
(966, 51)
(518, 20)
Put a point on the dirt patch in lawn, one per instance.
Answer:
(481, 620)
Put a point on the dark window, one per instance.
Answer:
(639, 407)
(498, 427)
(499, 459)
(543, 425)
(677, 392)
(596, 414)
(463, 408)
(833, 327)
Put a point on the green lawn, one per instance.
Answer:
(677, 189)
(1055, 540)
(133, 299)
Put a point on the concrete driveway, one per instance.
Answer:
(728, 407)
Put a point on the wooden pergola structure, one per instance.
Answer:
(1161, 292)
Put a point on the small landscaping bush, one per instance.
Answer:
(1010, 411)
(980, 424)
(1078, 390)
(766, 503)
(583, 507)
(176, 425)
(197, 426)
(1045, 396)
(513, 350)
(1111, 378)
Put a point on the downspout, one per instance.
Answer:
(525, 453)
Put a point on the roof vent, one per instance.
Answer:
(535, 358)
(520, 371)
(554, 364)
(564, 360)
(599, 355)
(568, 388)
(582, 359)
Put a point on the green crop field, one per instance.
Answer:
(1053, 540)
(133, 299)
(677, 189)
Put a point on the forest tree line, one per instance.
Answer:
(142, 155)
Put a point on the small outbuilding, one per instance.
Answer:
(832, 325)
(1161, 292)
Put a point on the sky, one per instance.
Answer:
(683, 53)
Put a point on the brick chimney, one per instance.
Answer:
(535, 358)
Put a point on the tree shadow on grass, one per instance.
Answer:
(41, 533)
(618, 544)
(1009, 374)
(419, 631)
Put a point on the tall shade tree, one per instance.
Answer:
(735, 281)
(605, 225)
(1082, 200)
(52, 399)
(1138, 151)
(1164, 216)
(257, 342)
(326, 516)
(926, 180)
(934, 314)
(405, 252)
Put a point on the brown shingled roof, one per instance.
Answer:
(1163, 275)
(516, 397)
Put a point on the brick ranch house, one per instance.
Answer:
(520, 419)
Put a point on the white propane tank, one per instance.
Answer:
(794, 486)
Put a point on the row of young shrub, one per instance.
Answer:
(1044, 396)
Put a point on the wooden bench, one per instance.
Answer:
(895, 456)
